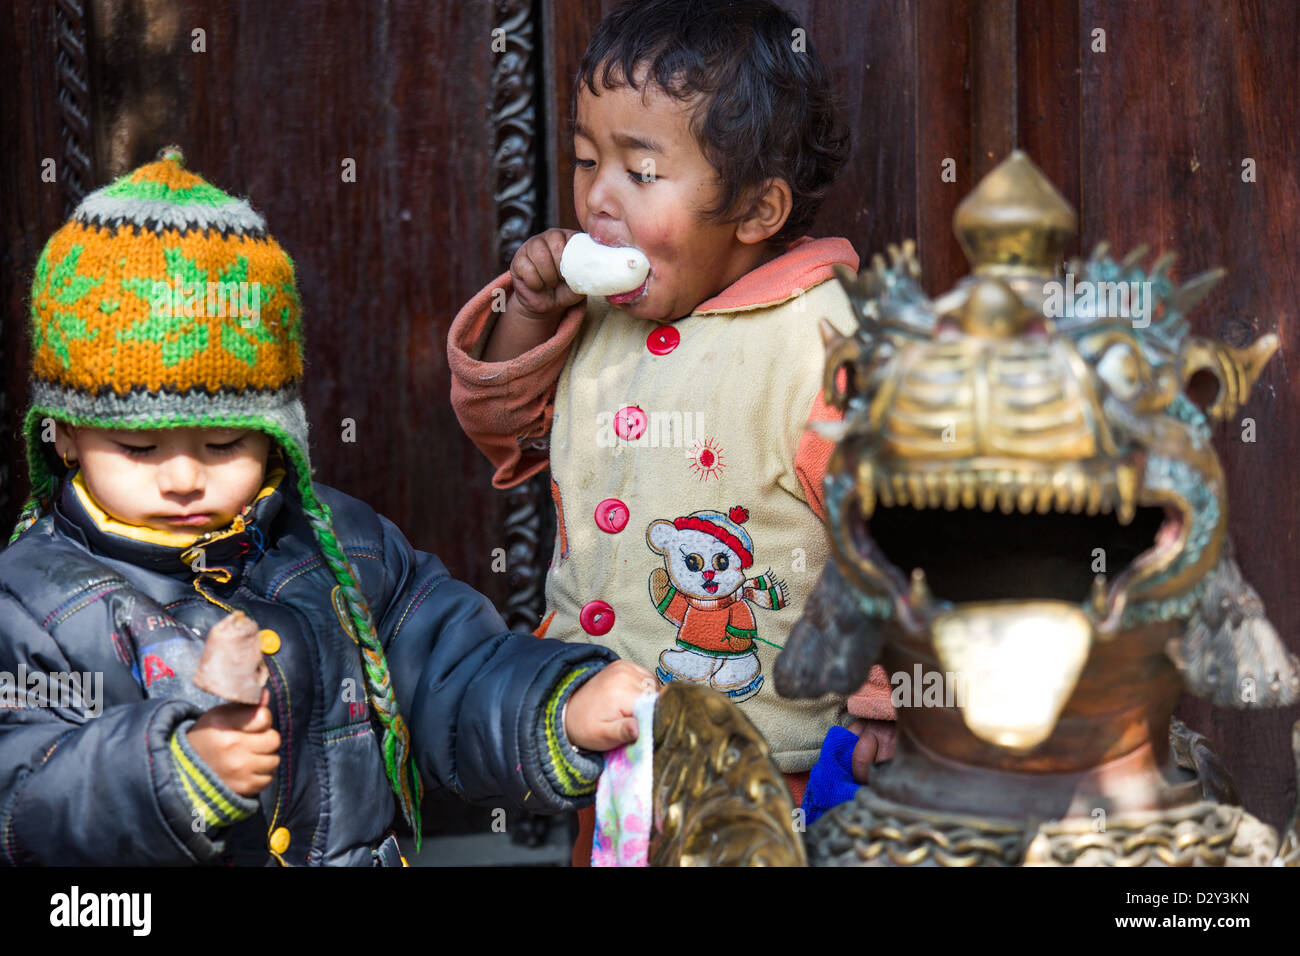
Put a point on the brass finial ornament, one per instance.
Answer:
(1014, 222)
(1029, 524)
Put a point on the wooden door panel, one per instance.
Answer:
(1169, 112)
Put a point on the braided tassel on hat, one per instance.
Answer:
(398, 761)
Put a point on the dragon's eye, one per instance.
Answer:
(1118, 368)
(694, 562)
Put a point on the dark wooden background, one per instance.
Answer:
(459, 155)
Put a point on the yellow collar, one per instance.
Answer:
(168, 539)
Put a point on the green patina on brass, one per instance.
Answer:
(1024, 498)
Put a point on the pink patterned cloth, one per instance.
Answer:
(623, 797)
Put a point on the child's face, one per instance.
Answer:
(621, 136)
(173, 479)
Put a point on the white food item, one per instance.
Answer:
(592, 269)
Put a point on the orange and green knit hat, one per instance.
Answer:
(164, 303)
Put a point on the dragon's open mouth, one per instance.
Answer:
(1013, 574)
(1014, 485)
(984, 536)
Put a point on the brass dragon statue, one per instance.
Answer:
(1029, 522)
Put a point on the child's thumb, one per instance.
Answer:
(255, 718)
(628, 730)
(864, 755)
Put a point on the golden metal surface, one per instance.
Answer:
(980, 400)
(1237, 370)
(871, 831)
(1015, 663)
(719, 799)
(1014, 221)
(1203, 834)
(1018, 402)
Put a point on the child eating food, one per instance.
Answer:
(671, 411)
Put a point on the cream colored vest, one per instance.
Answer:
(711, 424)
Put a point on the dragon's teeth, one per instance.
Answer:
(1071, 491)
(1126, 483)
(1006, 492)
(866, 487)
(1044, 496)
(1098, 595)
(933, 490)
(885, 490)
(1095, 496)
(988, 497)
(1061, 493)
(919, 592)
(951, 491)
(900, 490)
(915, 491)
(1078, 492)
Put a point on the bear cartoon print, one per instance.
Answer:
(702, 590)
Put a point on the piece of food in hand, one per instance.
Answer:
(232, 666)
(592, 269)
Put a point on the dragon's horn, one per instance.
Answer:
(1191, 292)
(1130, 261)
(1249, 362)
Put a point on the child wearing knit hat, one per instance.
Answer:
(673, 416)
(171, 493)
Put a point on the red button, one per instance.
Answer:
(596, 618)
(611, 516)
(663, 340)
(629, 423)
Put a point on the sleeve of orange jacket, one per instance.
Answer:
(871, 700)
(814, 454)
(506, 407)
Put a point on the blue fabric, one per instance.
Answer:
(830, 781)
(90, 782)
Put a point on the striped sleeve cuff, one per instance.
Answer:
(213, 802)
(572, 772)
(662, 606)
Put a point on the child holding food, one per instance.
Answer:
(173, 511)
(666, 375)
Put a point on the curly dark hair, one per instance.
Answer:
(768, 110)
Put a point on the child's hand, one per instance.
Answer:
(238, 742)
(599, 715)
(540, 291)
(876, 742)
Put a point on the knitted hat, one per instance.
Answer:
(164, 303)
(726, 528)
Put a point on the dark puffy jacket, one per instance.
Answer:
(97, 778)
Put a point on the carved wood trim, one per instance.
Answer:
(514, 122)
(518, 201)
(71, 35)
